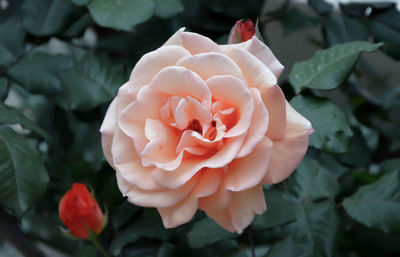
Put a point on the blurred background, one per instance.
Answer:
(62, 62)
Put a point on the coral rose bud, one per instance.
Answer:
(242, 31)
(79, 211)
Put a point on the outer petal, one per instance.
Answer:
(179, 81)
(151, 63)
(288, 152)
(233, 92)
(158, 198)
(129, 165)
(262, 52)
(247, 172)
(258, 127)
(211, 64)
(193, 42)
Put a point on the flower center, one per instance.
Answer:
(195, 126)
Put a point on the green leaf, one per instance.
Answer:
(328, 68)
(377, 205)
(284, 248)
(321, 7)
(332, 131)
(205, 232)
(4, 86)
(315, 229)
(47, 17)
(293, 19)
(39, 72)
(167, 8)
(23, 177)
(312, 182)
(121, 14)
(11, 44)
(92, 80)
(11, 115)
(80, 2)
(280, 210)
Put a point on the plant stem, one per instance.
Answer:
(99, 246)
(249, 230)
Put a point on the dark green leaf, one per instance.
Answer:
(77, 28)
(46, 17)
(377, 205)
(312, 182)
(93, 80)
(332, 132)
(359, 9)
(280, 210)
(80, 2)
(13, 9)
(205, 232)
(294, 19)
(11, 40)
(328, 68)
(235, 8)
(23, 177)
(284, 248)
(86, 251)
(167, 8)
(315, 229)
(121, 15)
(320, 6)
(4, 86)
(10, 115)
(39, 72)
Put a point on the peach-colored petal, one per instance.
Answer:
(233, 92)
(275, 102)
(128, 163)
(151, 63)
(190, 166)
(245, 205)
(188, 109)
(155, 198)
(132, 119)
(211, 64)
(218, 201)
(193, 42)
(223, 218)
(288, 152)
(184, 211)
(247, 172)
(258, 127)
(262, 52)
(179, 81)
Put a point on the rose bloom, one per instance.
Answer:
(203, 126)
(79, 210)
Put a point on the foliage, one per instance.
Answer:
(62, 62)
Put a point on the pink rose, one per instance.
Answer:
(203, 126)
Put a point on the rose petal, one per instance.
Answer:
(258, 127)
(211, 64)
(128, 163)
(275, 102)
(157, 198)
(218, 201)
(232, 91)
(179, 81)
(288, 152)
(247, 172)
(193, 42)
(151, 63)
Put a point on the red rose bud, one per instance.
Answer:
(242, 31)
(79, 211)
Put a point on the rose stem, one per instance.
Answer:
(99, 246)
(250, 236)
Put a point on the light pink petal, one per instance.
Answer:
(193, 42)
(180, 213)
(209, 182)
(233, 92)
(211, 64)
(258, 127)
(128, 163)
(151, 63)
(223, 218)
(247, 172)
(254, 71)
(262, 52)
(157, 198)
(275, 102)
(179, 81)
(189, 109)
(288, 152)
(245, 205)
(190, 166)
(218, 201)
(133, 118)
(161, 150)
